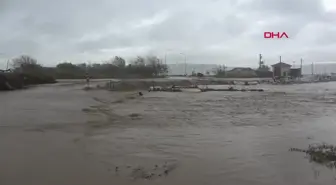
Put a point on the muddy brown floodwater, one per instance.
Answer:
(62, 135)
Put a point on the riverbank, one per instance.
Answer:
(145, 84)
(12, 80)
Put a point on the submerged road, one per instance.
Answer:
(62, 135)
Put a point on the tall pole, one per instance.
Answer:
(167, 50)
(301, 63)
(87, 74)
(185, 63)
(301, 67)
(166, 58)
(7, 64)
(280, 68)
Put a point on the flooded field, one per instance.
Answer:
(61, 134)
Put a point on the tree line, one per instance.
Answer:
(140, 67)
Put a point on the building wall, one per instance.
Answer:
(276, 71)
(295, 73)
(285, 71)
(281, 71)
(241, 74)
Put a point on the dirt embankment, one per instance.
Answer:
(144, 84)
(11, 81)
(130, 85)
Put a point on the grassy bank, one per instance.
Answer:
(11, 81)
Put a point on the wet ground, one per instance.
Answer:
(61, 134)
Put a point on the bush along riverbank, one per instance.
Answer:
(26, 71)
(140, 67)
(12, 81)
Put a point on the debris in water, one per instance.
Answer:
(320, 153)
(157, 171)
(119, 101)
(134, 115)
(87, 88)
(148, 176)
(130, 97)
(86, 110)
(35, 130)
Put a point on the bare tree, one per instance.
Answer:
(118, 61)
(139, 61)
(156, 65)
(26, 63)
(23, 60)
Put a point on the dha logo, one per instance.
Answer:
(271, 35)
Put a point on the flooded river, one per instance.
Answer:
(61, 134)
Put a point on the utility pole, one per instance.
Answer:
(167, 50)
(7, 65)
(301, 61)
(280, 67)
(185, 63)
(87, 75)
(224, 69)
(301, 68)
(260, 61)
(165, 58)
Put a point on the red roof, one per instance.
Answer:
(281, 64)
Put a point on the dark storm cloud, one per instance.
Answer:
(209, 31)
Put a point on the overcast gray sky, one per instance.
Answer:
(208, 31)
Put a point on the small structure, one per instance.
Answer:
(281, 70)
(200, 75)
(241, 72)
(295, 73)
(242, 69)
